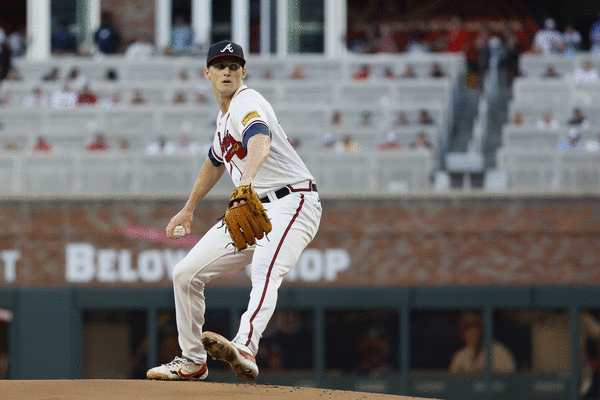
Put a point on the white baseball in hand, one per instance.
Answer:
(178, 232)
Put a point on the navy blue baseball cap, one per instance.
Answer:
(225, 48)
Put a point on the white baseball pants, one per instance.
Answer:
(295, 219)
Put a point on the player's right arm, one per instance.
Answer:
(208, 177)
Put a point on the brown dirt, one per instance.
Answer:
(143, 389)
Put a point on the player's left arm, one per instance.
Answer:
(258, 145)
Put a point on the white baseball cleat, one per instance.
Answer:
(180, 369)
(242, 362)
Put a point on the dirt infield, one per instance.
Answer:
(143, 389)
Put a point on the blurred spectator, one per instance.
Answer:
(595, 36)
(436, 70)
(388, 73)
(98, 144)
(52, 75)
(547, 122)
(401, 119)
(141, 48)
(571, 142)
(425, 118)
(384, 40)
(296, 143)
(517, 119)
(551, 73)
(182, 75)
(5, 60)
(586, 73)
(472, 357)
(35, 99)
(365, 119)
(547, 40)
(350, 145)
(436, 37)
(182, 37)
(285, 341)
(16, 41)
(138, 98)
(160, 146)
(201, 91)
(409, 72)
(42, 146)
(458, 39)
(373, 351)
(481, 48)
(186, 145)
(267, 74)
(10, 145)
(124, 144)
(417, 43)
(578, 119)
(421, 142)
(296, 73)
(336, 119)
(63, 97)
(63, 41)
(180, 98)
(5, 99)
(113, 100)
(87, 96)
(107, 37)
(571, 40)
(111, 75)
(593, 145)
(76, 80)
(13, 75)
(391, 143)
(329, 142)
(363, 73)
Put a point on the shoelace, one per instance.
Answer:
(177, 361)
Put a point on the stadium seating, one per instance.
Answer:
(529, 156)
(304, 108)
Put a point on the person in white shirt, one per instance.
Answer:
(586, 73)
(161, 146)
(472, 357)
(140, 49)
(547, 122)
(548, 40)
(63, 98)
(35, 99)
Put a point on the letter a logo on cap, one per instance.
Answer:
(228, 47)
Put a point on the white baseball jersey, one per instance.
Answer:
(282, 167)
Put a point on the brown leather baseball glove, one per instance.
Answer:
(246, 218)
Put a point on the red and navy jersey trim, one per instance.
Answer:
(264, 292)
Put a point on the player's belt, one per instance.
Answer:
(284, 191)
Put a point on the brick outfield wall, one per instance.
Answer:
(401, 241)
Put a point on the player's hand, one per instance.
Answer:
(183, 218)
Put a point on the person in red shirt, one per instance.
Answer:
(42, 146)
(363, 73)
(99, 144)
(458, 37)
(86, 97)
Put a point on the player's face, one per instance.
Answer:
(226, 75)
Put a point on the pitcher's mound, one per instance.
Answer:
(159, 390)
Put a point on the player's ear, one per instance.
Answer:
(206, 73)
(243, 72)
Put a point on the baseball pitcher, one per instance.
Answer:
(272, 215)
